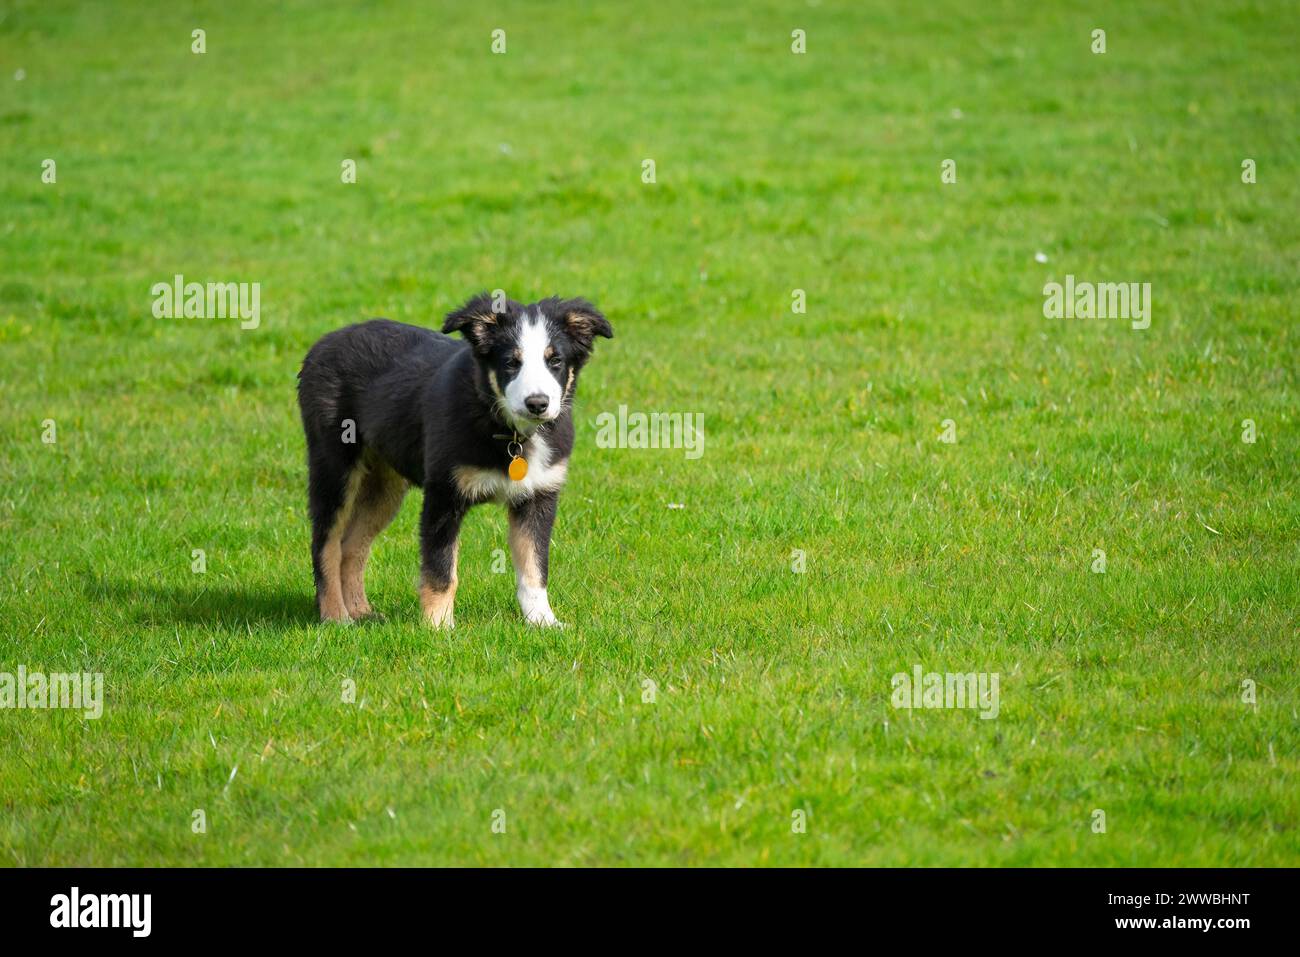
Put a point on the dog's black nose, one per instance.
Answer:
(537, 404)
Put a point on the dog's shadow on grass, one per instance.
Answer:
(214, 604)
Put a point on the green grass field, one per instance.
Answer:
(1120, 691)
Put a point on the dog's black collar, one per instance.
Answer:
(515, 449)
(518, 436)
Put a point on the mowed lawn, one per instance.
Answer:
(1120, 692)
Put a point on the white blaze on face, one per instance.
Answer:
(534, 378)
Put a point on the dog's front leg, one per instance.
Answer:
(440, 521)
(530, 547)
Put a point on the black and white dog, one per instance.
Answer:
(386, 406)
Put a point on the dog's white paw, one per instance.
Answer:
(537, 608)
(542, 618)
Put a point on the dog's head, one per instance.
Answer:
(531, 354)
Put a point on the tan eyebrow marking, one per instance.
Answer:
(550, 351)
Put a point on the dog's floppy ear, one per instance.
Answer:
(475, 321)
(584, 321)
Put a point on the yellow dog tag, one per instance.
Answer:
(518, 468)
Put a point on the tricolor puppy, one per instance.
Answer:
(386, 406)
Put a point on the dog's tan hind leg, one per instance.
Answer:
(329, 593)
(378, 499)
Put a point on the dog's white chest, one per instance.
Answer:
(483, 485)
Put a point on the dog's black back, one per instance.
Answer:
(407, 389)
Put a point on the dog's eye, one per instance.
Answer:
(555, 362)
(511, 364)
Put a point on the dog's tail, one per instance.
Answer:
(323, 397)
